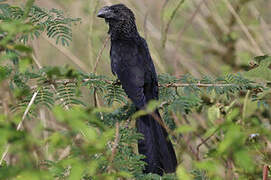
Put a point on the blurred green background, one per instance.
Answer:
(209, 37)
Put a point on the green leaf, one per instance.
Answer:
(182, 174)
(214, 113)
(186, 129)
(244, 160)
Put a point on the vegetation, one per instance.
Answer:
(58, 122)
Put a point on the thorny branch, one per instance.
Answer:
(202, 85)
(53, 83)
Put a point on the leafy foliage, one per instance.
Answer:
(90, 140)
(53, 22)
(115, 93)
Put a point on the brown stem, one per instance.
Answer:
(115, 145)
(164, 36)
(189, 22)
(95, 98)
(100, 53)
(265, 172)
(160, 85)
(204, 141)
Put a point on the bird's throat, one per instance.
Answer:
(123, 30)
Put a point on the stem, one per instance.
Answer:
(100, 54)
(115, 145)
(20, 124)
(164, 35)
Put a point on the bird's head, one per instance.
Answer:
(117, 13)
(120, 18)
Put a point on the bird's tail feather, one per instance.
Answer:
(157, 148)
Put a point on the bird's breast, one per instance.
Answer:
(123, 55)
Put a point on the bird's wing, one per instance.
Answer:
(150, 69)
(134, 67)
(132, 80)
(147, 58)
(127, 60)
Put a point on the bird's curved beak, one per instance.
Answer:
(105, 12)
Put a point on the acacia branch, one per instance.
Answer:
(195, 84)
(66, 81)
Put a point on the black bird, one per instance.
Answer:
(133, 65)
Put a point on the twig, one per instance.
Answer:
(245, 105)
(27, 109)
(51, 84)
(265, 172)
(161, 16)
(65, 81)
(189, 147)
(243, 27)
(20, 124)
(95, 68)
(205, 140)
(95, 98)
(45, 133)
(194, 84)
(64, 153)
(164, 36)
(188, 23)
(4, 154)
(115, 145)
(100, 53)
(92, 18)
(160, 121)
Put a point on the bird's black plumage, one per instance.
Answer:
(133, 65)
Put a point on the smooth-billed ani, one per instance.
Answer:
(133, 65)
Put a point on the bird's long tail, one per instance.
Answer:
(157, 148)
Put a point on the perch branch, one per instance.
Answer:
(65, 81)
